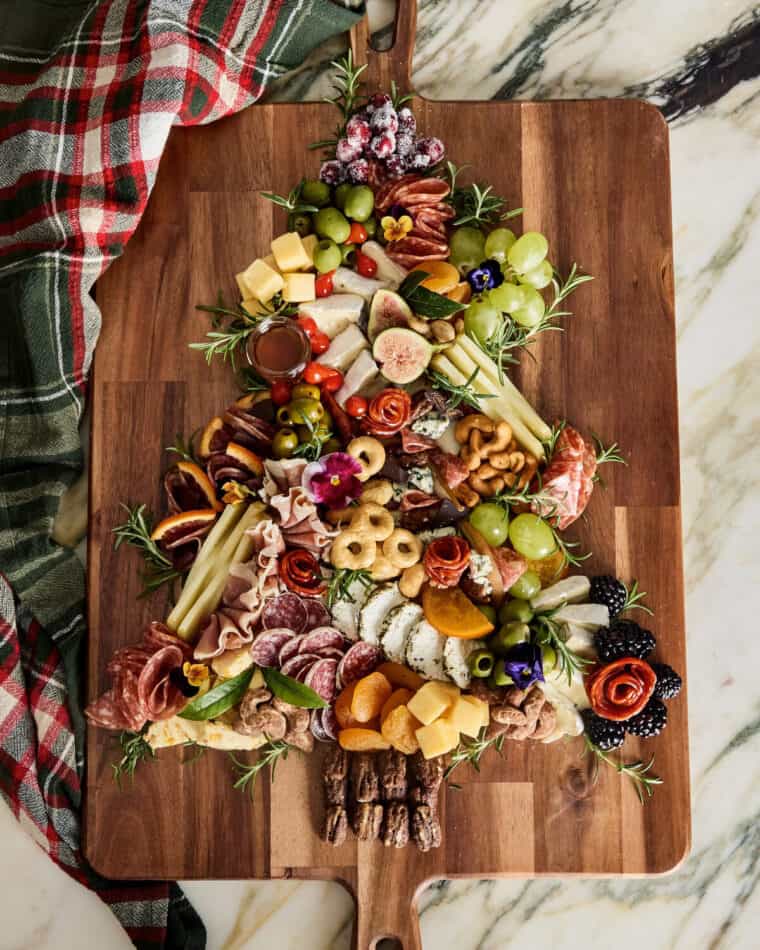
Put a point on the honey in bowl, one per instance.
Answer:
(278, 349)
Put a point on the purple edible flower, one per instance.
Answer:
(332, 481)
(494, 269)
(485, 276)
(524, 664)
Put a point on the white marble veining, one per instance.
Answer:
(583, 48)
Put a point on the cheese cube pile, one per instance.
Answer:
(445, 714)
(282, 271)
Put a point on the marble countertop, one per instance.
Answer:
(699, 60)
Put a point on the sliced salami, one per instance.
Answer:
(265, 649)
(289, 650)
(321, 678)
(361, 660)
(321, 638)
(295, 664)
(317, 615)
(285, 610)
(332, 653)
(317, 726)
(330, 723)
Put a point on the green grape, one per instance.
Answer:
(516, 609)
(507, 297)
(548, 658)
(540, 276)
(498, 242)
(526, 586)
(532, 309)
(481, 319)
(487, 611)
(528, 251)
(511, 634)
(531, 536)
(466, 248)
(492, 521)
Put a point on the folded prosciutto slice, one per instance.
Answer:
(568, 479)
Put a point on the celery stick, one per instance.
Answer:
(507, 388)
(238, 547)
(203, 562)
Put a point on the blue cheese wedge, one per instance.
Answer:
(421, 478)
(427, 536)
(424, 651)
(455, 654)
(480, 569)
(433, 426)
(399, 623)
(376, 607)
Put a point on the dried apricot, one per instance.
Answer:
(362, 740)
(370, 695)
(399, 697)
(343, 708)
(399, 728)
(443, 276)
(399, 675)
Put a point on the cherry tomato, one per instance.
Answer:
(333, 381)
(323, 285)
(356, 406)
(320, 343)
(307, 325)
(357, 234)
(316, 373)
(365, 265)
(280, 392)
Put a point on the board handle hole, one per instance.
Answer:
(382, 24)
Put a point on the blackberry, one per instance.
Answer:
(610, 592)
(650, 721)
(603, 733)
(668, 681)
(623, 638)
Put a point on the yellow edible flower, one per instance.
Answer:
(235, 493)
(396, 228)
(195, 673)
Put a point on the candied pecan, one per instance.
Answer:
(392, 769)
(335, 827)
(426, 829)
(365, 782)
(396, 825)
(428, 773)
(367, 820)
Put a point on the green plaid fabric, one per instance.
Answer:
(88, 94)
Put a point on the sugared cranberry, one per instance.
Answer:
(420, 161)
(406, 120)
(346, 151)
(358, 171)
(432, 147)
(405, 144)
(357, 131)
(383, 145)
(332, 172)
(384, 120)
(377, 101)
(395, 166)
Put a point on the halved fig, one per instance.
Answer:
(403, 354)
(183, 527)
(189, 488)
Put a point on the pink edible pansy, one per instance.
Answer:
(332, 481)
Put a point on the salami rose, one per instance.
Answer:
(445, 560)
(299, 572)
(621, 689)
(388, 413)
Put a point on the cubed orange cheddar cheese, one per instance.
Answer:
(298, 287)
(289, 252)
(260, 281)
(465, 716)
(436, 739)
(431, 701)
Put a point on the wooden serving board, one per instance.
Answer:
(593, 177)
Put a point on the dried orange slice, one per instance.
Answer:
(461, 293)
(453, 614)
(443, 276)
(216, 425)
(248, 459)
(203, 482)
(180, 528)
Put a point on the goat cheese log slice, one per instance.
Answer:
(399, 623)
(455, 654)
(424, 651)
(375, 610)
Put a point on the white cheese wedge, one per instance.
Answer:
(455, 654)
(345, 348)
(399, 623)
(424, 651)
(215, 735)
(574, 691)
(592, 616)
(289, 252)
(571, 590)
(569, 722)
(334, 313)
(580, 640)
(346, 281)
(387, 270)
(363, 371)
(309, 243)
(375, 610)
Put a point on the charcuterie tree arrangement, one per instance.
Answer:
(366, 551)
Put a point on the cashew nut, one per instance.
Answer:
(412, 580)
(443, 331)
(475, 420)
(420, 326)
(502, 436)
(466, 495)
(486, 489)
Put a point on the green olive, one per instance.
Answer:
(512, 633)
(306, 391)
(341, 193)
(370, 226)
(347, 253)
(305, 434)
(481, 663)
(548, 658)
(487, 611)
(284, 443)
(300, 223)
(516, 609)
(500, 677)
(301, 410)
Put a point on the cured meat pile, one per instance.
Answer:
(423, 200)
(142, 687)
(568, 479)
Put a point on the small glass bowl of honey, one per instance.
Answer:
(278, 349)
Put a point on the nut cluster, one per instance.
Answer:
(493, 458)
(259, 715)
(518, 714)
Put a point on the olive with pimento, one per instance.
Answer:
(306, 391)
(284, 443)
(300, 411)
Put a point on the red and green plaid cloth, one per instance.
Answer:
(88, 94)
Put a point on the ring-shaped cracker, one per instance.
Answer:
(353, 550)
(402, 548)
(374, 521)
(369, 453)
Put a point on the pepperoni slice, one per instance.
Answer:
(360, 660)
(285, 610)
(299, 572)
(388, 412)
(265, 649)
(321, 678)
(321, 638)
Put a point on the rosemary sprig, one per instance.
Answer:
(397, 99)
(250, 381)
(184, 449)
(452, 172)
(632, 597)
(338, 587)
(567, 548)
(134, 750)
(312, 447)
(470, 751)
(268, 755)
(292, 202)
(551, 443)
(200, 751)
(478, 206)
(458, 394)
(136, 530)
(611, 453)
(543, 500)
(347, 96)
(548, 633)
(232, 327)
(639, 772)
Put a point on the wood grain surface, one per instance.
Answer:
(592, 176)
